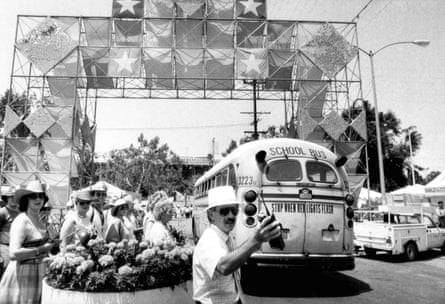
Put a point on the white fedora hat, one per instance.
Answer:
(221, 196)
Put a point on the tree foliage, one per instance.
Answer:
(395, 149)
(146, 168)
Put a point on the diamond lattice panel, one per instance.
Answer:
(334, 125)
(39, 121)
(46, 45)
(329, 50)
(12, 120)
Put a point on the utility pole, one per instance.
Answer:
(255, 133)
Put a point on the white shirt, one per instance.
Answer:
(159, 233)
(209, 286)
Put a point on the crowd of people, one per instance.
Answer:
(27, 236)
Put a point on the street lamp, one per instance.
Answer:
(371, 55)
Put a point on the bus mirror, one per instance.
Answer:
(339, 162)
(260, 158)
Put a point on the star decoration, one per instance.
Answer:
(252, 63)
(250, 6)
(125, 62)
(128, 5)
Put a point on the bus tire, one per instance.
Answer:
(370, 251)
(443, 248)
(411, 251)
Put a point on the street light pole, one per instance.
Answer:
(377, 130)
(371, 55)
(411, 156)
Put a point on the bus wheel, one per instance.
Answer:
(411, 251)
(370, 251)
(443, 248)
(249, 278)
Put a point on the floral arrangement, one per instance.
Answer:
(124, 266)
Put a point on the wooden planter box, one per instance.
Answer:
(166, 295)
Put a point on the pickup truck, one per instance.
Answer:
(398, 233)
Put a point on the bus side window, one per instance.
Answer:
(232, 177)
(224, 177)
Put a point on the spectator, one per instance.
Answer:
(119, 227)
(163, 212)
(22, 280)
(99, 195)
(7, 214)
(149, 220)
(79, 227)
(440, 213)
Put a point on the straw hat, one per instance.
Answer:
(34, 186)
(99, 187)
(83, 195)
(221, 196)
(9, 192)
(116, 204)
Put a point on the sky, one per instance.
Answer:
(409, 79)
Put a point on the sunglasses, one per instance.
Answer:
(35, 196)
(225, 210)
(124, 207)
(83, 203)
(99, 194)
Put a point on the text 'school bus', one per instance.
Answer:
(303, 185)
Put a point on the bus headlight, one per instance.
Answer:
(250, 196)
(250, 209)
(349, 199)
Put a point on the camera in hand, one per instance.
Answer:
(278, 242)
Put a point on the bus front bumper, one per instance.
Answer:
(313, 261)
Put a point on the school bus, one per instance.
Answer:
(304, 185)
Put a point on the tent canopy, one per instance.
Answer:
(410, 189)
(437, 186)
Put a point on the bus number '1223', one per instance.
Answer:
(245, 180)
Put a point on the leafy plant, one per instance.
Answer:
(125, 266)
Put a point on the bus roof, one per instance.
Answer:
(264, 144)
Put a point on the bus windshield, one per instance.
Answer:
(284, 170)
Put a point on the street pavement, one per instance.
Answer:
(379, 280)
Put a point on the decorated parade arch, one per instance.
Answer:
(174, 49)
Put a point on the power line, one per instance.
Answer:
(361, 11)
(173, 128)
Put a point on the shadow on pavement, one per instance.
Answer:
(303, 283)
(400, 258)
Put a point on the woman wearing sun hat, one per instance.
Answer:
(80, 226)
(118, 229)
(22, 280)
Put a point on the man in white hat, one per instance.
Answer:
(215, 263)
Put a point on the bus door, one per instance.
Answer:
(280, 194)
(324, 209)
